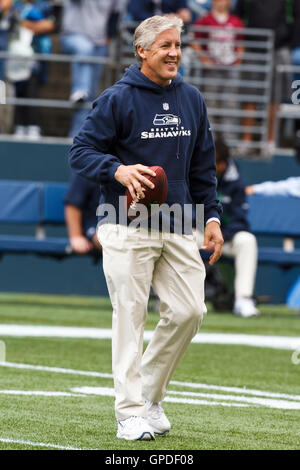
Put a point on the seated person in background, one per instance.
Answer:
(81, 202)
(139, 10)
(288, 187)
(239, 242)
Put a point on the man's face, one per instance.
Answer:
(161, 61)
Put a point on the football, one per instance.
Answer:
(157, 195)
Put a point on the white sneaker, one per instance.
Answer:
(245, 307)
(78, 96)
(157, 419)
(34, 132)
(20, 132)
(135, 428)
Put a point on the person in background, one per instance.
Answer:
(5, 23)
(139, 10)
(36, 17)
(87, 27)
(81, 202)
(287, 187)
(200, 8)
(220, 50)
(266, 14)
(238, 241)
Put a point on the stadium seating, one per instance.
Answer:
(38, 204)
(276, 217)
(41, 204)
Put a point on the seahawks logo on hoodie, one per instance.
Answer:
(162, 132)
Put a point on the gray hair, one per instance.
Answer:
(145, 34)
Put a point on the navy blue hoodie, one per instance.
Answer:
(138, 121)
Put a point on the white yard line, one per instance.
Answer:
(262, 398)
(264, 341)
(195, 385)
(229, 400)
(40, 393)
(57, 370)
(36, 444)
(109, 392)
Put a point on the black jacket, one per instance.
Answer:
(231, 193)
(267, 14)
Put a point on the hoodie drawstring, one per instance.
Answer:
(178, 137)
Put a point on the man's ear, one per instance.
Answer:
(141, 52)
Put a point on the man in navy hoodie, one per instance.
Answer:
(151, 117)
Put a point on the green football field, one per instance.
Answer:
(56, 389)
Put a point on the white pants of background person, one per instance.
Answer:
(243, 248)
(132, 260)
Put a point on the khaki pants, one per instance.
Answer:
(132, 261)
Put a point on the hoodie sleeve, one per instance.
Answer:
(202, 177)
(90, 155)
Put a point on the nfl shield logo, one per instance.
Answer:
(166, 106)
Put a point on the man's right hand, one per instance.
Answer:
(81, 244)
(132, 176)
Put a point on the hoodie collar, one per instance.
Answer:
(134, 77)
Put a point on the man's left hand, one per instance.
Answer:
(213, 241)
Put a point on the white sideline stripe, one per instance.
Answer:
(109, 392)
(263, 341)
(36, 444)
(39, 393)
(242, 390)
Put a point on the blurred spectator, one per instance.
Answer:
(239, 242)
(287, 187)
(139, 10)
(295, 41)
(220, 50)
(34, 22)
(81, 202)
(200, 8)
(87, 26)
(267, 14)
(5, 22)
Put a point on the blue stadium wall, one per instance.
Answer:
(49, 162)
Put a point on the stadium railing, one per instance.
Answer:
(229, 90)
